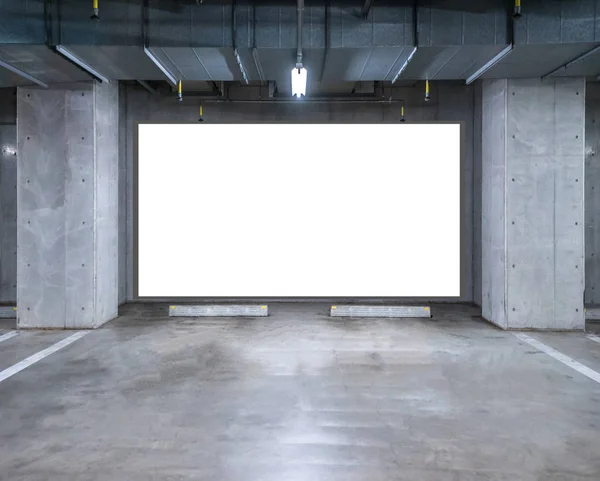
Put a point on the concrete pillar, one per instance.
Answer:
(8, 195)
(592, 194)
(67, 206)
(532, 203)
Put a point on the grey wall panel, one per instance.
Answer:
(40, 203)
(122, 257)
(78, 226)
(592, 194)
(545, 203)
(67, 206)
(457, 105)
(451, 102)
(8, 195)
(477, 179)
(493, 175)
(532, 206)
(106, 178)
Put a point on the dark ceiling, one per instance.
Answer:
(343, 42)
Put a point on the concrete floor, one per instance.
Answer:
(299, 396)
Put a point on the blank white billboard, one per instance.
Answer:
(298, 210)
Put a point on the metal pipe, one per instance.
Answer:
(517, 8)
(300, 23)
(96, 10)
(212, 99)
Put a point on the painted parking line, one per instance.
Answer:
(593, 337)
(25, 363)
(559, 356)
(8, 335)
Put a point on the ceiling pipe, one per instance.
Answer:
(326, 42)
(311, 100)
(95, 11)
(299, 58)
(517, 9)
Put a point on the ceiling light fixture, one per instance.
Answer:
(299, 81)
(299, 72)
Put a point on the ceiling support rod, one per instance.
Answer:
(22, 74)
(299, 58)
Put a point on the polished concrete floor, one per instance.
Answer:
(299, 396)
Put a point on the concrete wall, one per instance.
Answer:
(451, 101)
(592, 194)
(533, 209)
(8, 195)
(493, 173)
(477, 178)
(67, 205)
(106, 208)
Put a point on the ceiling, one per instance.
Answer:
(235, 41)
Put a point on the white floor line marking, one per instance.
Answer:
(8, 335)
(559, 356)
(25, 363)
(593, 337)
